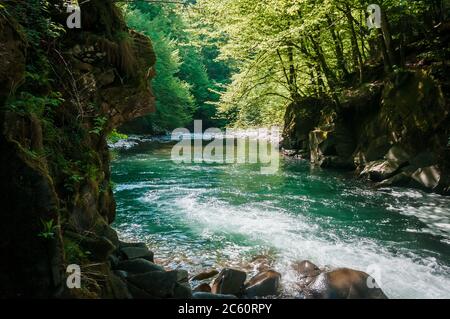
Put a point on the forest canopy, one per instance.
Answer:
(246, 61)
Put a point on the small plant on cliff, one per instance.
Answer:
(48, 231)
(99, 125)
(72, 181)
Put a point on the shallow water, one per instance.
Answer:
(198, 216)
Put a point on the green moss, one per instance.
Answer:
(73, 252)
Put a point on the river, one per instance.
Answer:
(201, 216)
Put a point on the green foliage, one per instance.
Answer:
(25, 103)
(115, 136)
(73, 252)
(286, 49)
(72, 181)
(99, 125)
(174, 99)
(48, 231)
(186, 73)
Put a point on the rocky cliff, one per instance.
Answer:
(62, 91)
(394, 129)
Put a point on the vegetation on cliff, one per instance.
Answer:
(63, 91)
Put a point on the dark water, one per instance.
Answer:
(198, 216)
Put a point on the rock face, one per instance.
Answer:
(300, 119)
(394, 131)
(54, 161)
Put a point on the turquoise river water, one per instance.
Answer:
(201, 216)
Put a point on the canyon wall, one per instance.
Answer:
(62, 91)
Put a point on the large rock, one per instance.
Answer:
(306, 272)
(99, 247)
(123, 244)
(229, 281)
(182, 291)
(138, 266)
(343, 284)
(266, 283)
(207, 295)
(378, 171)
(161, 284)
(332, 147)
(300, 119)
(138, 293)
(137, 252)
(427, 177)
(119, 288)
(202, 288)
(397, 154)
(205, 275)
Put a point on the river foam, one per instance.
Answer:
(402, 275)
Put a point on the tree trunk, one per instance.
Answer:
(387, 61)
(387, 37)
(329, 75)
(357, 59)
(338, 48)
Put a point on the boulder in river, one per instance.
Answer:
(138, 266)
(137, 252)
(229, 281)
(306, 272)
(207, 295)
(157, 284)
(202, 288)
(343, 283)
(266, 283)
(397, 154)
(160, 284)
(427, 177)
(205, 275)
(378, 171)
(182, 291)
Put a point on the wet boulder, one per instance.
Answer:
(182, 291)
(159, 284)
(202, 288)
(207, 295)
(378, 171)
(205, 275)
(137, 252)
(306, 272)
(138, 266)
(266, 283)
(229, 281)
(397, 154)
(343, 283)
(427, 177)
